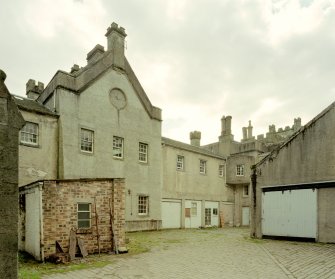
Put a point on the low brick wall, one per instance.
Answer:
(59, 201)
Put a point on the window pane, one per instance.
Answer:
(83, 206)
(84, 224)
(86, 140)
(83, 215)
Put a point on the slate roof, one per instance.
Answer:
(32, 106)
(191, 148)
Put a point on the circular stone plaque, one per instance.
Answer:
(117, 98)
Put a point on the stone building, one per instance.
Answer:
(51, 209)
(11, 122)
(97, 122)
(294, 186)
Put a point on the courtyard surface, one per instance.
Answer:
(214, 253)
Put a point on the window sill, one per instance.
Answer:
(118, 158)
(88, 153)
(29, 144)
(84, 231)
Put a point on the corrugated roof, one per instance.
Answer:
(32, 106)
(189, 147)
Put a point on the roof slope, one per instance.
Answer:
(32, 106)
(191, 148)
(300, 131)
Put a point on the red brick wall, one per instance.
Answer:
(60, 200)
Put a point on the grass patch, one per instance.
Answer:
(29, 268)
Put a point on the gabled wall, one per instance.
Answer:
(308, 157)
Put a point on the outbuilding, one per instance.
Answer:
(293, 188)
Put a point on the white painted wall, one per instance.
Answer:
(33, 227)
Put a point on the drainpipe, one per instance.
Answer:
(254, 201)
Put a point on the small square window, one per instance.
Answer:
(246, 191)
(221, 170)
(202, 166)
(180, 162)
(86, 140)
(29, 133)
(84, 215)
(240, 170)
(117, 147)
(143, 152)
(143, 205)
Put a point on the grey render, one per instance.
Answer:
(305, 161)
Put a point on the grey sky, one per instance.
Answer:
(264, 61)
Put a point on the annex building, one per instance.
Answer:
(96, 123)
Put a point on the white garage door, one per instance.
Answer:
(171, 214)
(291, 213)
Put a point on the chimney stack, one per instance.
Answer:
(95, 54)
(249, 130)
(244, 131)
(195, 138)
(115, 43)
(33, 91)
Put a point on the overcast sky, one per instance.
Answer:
(259, 60)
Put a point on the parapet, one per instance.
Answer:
(33, 90)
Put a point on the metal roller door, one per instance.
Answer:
(291, 213)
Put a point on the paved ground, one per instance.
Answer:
(219, 253)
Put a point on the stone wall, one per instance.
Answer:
(10, 123)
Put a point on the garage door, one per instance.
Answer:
(291, 213)
(171, 214)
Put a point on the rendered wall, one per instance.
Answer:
(39, 162)
(93, 110)
(308, 158)
(190, 184)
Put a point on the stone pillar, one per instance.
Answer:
(115, 43)
(195, 138)
(11, 122)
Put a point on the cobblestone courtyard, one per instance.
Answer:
(217, 253)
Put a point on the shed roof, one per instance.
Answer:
(32, 106)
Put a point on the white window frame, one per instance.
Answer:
(118, 147)
(180, 162)
(84, 211)
(194, 209)
(29, 134)
(143, 152)
(221, 170)
(202, 166)
(143, 205)
(240, 170)
(244, 191)
(86, 143)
